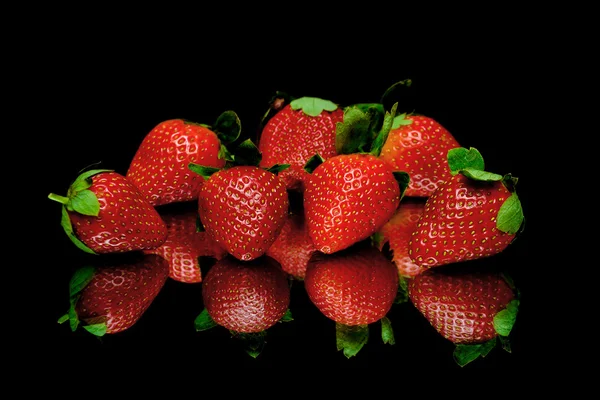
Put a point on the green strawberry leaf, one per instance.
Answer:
(465, 353)
(401, 120)
(85, 202)
(480, 175)
(287, 317)
(505, 319)
(510, 216)
(224, 154)
(80, 279)
(203, 171)
(72, 314)
(387, 332)
(406, 83)
(403, 179)
(505, 343)
(253, 343)
(277, 168)
(228, 127)
(382, 135)
(204, 321)
(98, 329)
(461, 158)
(378, 240)
(63, 318)
(313, 106)
(353, 132)
(351, 339)
(84, 181)
(246, 153)
(313, 163)
(65, 222)
(365, 107)
(402, 293)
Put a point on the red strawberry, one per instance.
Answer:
(347, 198)
(243, 208)
(397, 232)
(114, 296)
(298, 131)
(473, 214)
(470, 309)
(293, 247)
(350, 196)
(245, 297)
(354, 287)
(159, 168)
(104, 212)
(418, 145)
(185, 244)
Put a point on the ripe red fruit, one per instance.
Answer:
(104, 212)
(298, 131)
(246, 296)
(113, 297)
(398, 231)
(293, 247)
(471, 309)
(419, 145)
(473, 214)
(354, 287)
(185, 244)
(347, 198)
(159, 167)
(243, 208)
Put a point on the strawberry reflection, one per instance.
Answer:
(185, 243)
(113, 296)
(354, 287)
(245, 297)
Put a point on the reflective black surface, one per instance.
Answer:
(107, 114)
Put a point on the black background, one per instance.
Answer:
(102, 99)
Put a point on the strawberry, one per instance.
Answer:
(473, 214)
(298, 131)
(354, 287)
(159, 167)
(104, 212)
(471, 309)
(242, 207)
(185, 244)
(245, 297)
(397, 233)
(418, 145)
(293, 247)
(113, 297)
(350, 196)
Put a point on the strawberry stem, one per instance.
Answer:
(61, 199)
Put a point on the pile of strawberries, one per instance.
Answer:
(388, 204)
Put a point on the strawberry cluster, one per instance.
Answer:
(364, 206)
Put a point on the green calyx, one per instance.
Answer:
(351, 339)
(81, 200)
(80, 279)
(470, 163)
(365, 129)
(204, 321)
(503, 324)
(246, 153)
(313, 106)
